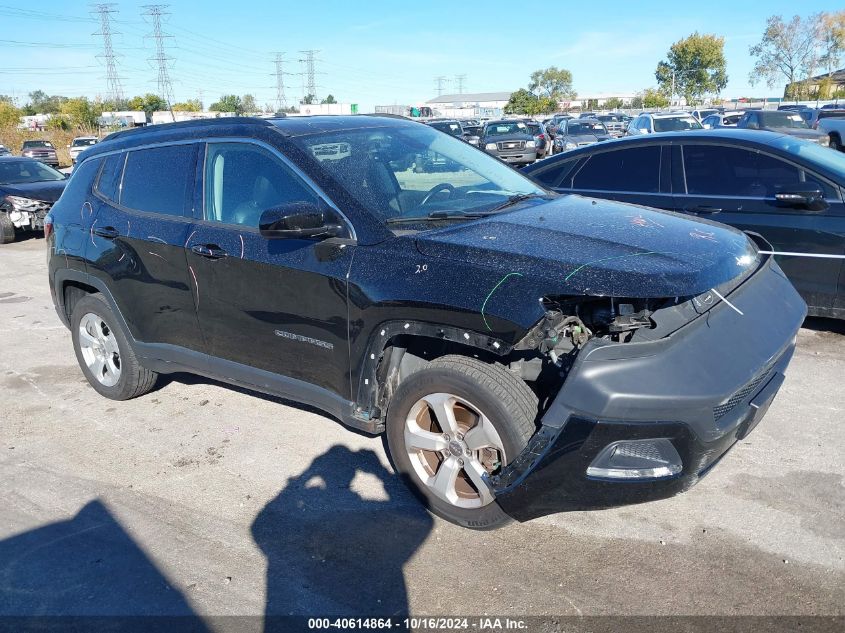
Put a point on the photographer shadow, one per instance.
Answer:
(329, 550)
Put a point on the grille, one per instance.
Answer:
(511, 144)
(723, 409)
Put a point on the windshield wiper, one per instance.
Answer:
(512, 200)
(434, 216)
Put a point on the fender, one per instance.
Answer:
(369, 389)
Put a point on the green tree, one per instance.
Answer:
(329, 99)
(228, 103)
(522, 102)
(42, 103)
(652, 98)
(248, 104)
(614, 103)
(637, 102)
(552, 82)
(832, 32)
(9, 114)
(694, 66)
(787, 50)
(309, 99)
(191, 105)
(149, 103)
(80, 112)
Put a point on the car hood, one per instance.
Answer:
(48, 191)
(798, 132)
(582, 246)
(508, 137)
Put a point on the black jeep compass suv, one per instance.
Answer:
(524, 352)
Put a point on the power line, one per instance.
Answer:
(113, 86)
(460, 80)
(440, 81)
(165, 88)
(308, 73)
(281, 102)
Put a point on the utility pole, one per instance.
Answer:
(309, 73)
(281, 102)
(459, 82)
(165, 89)
(440, 81)
(114, 88)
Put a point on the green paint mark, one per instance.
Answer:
(607, 259)
(496, 287)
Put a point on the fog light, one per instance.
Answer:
(637, 459)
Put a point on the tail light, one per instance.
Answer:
(48, 226)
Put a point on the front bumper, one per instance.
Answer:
(519, 158)
(703, 388)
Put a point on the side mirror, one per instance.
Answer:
(298, 220)
(802, 197)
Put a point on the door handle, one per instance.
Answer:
(704, 209)
(108, 232)
(210, 251)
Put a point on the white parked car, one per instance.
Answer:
(79, 144)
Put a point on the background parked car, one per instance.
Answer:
(729, 118)
(40, 150)
(614, 124)
(788, 190)
(782, 122)
(832, 123)
(575, 133)
(511, 141)
(79, 144)
(5, 151)
(703, 113)
(28, 189)
(455, 128)
(541, 138)
(656, 122)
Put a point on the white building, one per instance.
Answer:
(470, 104)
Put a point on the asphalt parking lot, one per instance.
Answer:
(203, 499)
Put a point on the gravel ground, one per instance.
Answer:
(199, 498)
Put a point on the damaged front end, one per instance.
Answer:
(641, 397)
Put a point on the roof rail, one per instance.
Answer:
(179, 125)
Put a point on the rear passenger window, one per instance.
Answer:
(734, 171)
(636, 169)
(159, 180)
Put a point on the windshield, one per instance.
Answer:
(37, 144)
(585, 127)
(782, 118)
(502, 128)
(83, 142)
(814, 153)
(450, 127)
(704, 113)
(608, 118)
(676, 123)
(411, 174)
(16, 172)
(534, 128)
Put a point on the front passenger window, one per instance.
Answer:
(243, 180)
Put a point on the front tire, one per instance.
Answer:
(453, 423)
(7, 229)
(104, 353)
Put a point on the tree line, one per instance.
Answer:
(84, 113)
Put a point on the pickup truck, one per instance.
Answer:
(832, 122)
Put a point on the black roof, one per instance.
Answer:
(240, 126)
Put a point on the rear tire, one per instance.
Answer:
(836, 143)
(104, 353)
(443, 457)
(7, 229)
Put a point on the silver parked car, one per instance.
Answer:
(656, 122)
(722, 119)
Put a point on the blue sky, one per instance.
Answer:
(374, 51)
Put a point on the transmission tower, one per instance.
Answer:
(113, 86)
(281, 102)
(165, 89)
(440, 81)
(309, 72)
(460, 80)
